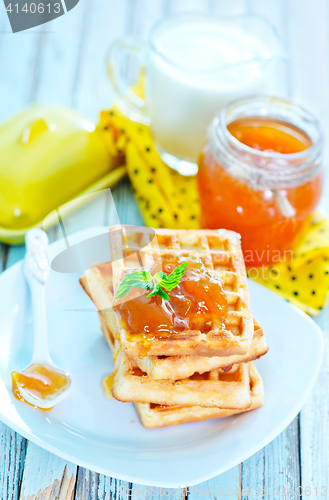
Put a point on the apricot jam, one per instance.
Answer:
(39, 380)
(260, 175)
(195, 303)
(269, 135)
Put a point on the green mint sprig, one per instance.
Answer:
(156, 284)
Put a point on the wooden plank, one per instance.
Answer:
(93, 486)
(225, 485)
(15, 254)
(141, 491)
(307, 35)
(274, 470)
(142, 14)
(55, 77)
(314, 427)
(219, 7)
(13, 450)
(106, 22)
(19, 55)
(126, 206)
(47, 477)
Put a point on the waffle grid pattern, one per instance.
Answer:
(155, 416)
(221, 254)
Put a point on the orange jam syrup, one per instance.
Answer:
(231, 203)
(107, 384)
(195, 303)
(40, 381)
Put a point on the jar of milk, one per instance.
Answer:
(193, 65)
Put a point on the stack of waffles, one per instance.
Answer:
(186, 375)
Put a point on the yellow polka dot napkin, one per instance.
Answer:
(304, 279)
(168, 199)
(165, 198)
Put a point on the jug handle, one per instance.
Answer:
(129, 101)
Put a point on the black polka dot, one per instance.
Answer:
(293, 278)
(153, 169)
(105, 128)
(150, 181)
(111, 113)
(277, 287)
(153, 216)
(320, 308)
(311, 276)
(136, 171)
(295, 293)
(327, 272)
(313, 292)
(192, 217)
(147, 149)
(289, 268)
(160, 210)
(175, 216)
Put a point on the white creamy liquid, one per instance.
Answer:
(193, 72)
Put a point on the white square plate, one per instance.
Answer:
(106, 436)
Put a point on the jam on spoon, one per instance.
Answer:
(41, 384)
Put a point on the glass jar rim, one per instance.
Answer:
(262, 169)
(310, 151)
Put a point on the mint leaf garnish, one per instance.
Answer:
(145, 281)
(158, 291)
(135, 279)
(171, 281)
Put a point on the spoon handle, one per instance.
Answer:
(36, 269)
(40, 343)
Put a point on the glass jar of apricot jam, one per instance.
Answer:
(260, 174)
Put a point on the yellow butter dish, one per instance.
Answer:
(49, 155)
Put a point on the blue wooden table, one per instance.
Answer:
(63, 62)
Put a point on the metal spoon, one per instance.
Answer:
(42, 383)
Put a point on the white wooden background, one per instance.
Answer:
(63, 62)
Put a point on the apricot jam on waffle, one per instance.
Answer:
(196, 303)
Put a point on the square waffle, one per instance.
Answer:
(220, 252)
(178, 367)
(153, 415)
(217, 388)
